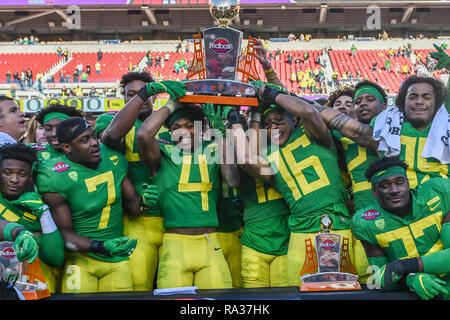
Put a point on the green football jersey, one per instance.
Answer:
(45, 151)
(227, 214)
(137, 170)
(93, 196)
(188, 185)
(358, 160)
(419, 169)
(308, 177)
(417, 233)
(12, 213)
(265, 217)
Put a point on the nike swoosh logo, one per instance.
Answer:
(432, 208)
(216, 249)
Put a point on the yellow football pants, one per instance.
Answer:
(231, 247)
(262, 270)
(84, 274)
(193, 260)
(149, 232)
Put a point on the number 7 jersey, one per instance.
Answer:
(94, 196)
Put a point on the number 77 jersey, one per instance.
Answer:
(416, 234)
(94, 196)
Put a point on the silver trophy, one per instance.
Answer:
(330, 248)
(218, 62)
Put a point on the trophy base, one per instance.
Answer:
(330, 281)
(36, 295)
(220, 91)
(222, 100)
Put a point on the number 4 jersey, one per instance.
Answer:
(94, 196)
(188, 185)
(416, 234)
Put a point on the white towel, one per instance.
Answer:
(437, 144)
(387, 127)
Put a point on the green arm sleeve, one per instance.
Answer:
(439, 262)
(51, 248)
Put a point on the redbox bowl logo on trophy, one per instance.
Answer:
(328, 245)
(221, 46)
(8, 253)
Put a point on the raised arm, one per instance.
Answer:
(261, 55)
(146, 136)
(125, 119)
(313, 123)
(360, 133)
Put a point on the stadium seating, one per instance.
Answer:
(113, 64)
(342, 61)
(36, 62)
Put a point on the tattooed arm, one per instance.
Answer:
(360, 133)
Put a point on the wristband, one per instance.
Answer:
(47, 223)
(268, 70)
(270, 94)
(255, 116)
(9, 228)
(97, 247)
(143, 94)
(171, 106)
(271, 78)
(143, 207)
(233, 117)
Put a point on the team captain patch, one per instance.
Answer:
(61, 167)
(370, 214)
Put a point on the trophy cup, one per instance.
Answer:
(30, 281)
(218, 62)
(330, 258)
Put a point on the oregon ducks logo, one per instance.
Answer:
(169, 148)
(45, 155)
(114, 159)
(380, 224)
(73, 175)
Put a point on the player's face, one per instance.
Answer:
(367, 106)
(15, 177)
(344, 104)
(393, 194)
(420, 105)
(183, 134)
(131, 89)
(85, 149)
(278, 129)
(12, 120)
(50, 133)
(40, 134)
